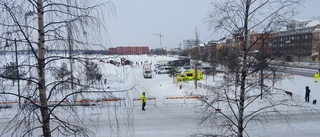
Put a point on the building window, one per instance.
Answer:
(309, 36)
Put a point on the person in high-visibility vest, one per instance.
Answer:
(316, 77)
(144, 101)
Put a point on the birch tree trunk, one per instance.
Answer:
(243, 69)
(41, 72)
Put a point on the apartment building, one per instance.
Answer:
(296, 42)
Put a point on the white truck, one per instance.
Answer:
(146, 66)
(147, 71)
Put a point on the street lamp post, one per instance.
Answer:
(17, 68)
(263, 65)
(26, 15)
(17, 73)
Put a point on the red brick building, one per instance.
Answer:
(261, 42)
(129, 50)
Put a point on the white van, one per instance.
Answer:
(147, 73)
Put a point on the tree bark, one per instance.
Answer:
(243, 70)
(41, 72)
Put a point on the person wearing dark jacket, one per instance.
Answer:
(143, 100)
(307, 94)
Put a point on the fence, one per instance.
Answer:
(167, 100)
(81, 102)
(183, 100)
(150, 101)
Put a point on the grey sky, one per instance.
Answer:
(177, 20)
(311, 8)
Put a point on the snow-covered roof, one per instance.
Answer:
(313, 23)
(301, 20)
(317, 29)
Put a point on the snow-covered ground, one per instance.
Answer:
(169, 115)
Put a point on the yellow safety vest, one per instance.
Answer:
(316, 76)
(143, 99)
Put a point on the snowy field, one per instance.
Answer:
(167, 113)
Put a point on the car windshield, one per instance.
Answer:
(206, 67)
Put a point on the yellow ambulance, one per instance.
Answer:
(189, 75)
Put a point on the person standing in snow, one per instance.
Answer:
(307, 94)
(316, 77)
(144, 101)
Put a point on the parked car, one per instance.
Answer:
(164, 69)
(114, 62)
(126, 62)
(186, 67)
(206, 69)
(157, 68)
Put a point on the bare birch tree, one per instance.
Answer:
(55, 25)
(248, 91)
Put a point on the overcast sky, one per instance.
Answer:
(137, 21)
